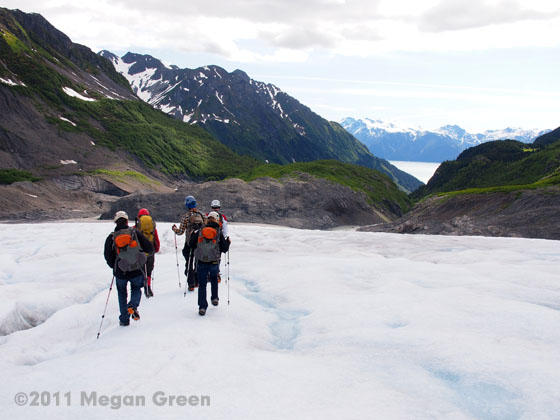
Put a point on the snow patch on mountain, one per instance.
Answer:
(389, 127)
(73, 93)
(10, 82)
(68, 121)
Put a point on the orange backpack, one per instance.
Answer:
(208, 247)
(130, 256)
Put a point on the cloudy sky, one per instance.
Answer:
(481, 64)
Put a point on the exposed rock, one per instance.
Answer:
(311, 203)
(525, 213)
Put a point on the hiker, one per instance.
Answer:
(125, 252)
(190, 221)
(216, 205)
(223, 222)
(146, 225)
(208, 244)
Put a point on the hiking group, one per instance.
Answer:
(130, 252)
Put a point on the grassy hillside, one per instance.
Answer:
(378, 187)
(9, 176)
(159, 141)
(496, 164)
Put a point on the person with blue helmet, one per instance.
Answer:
(191, 220)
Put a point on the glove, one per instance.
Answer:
(174, 228)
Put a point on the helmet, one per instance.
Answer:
(215, 204)
(190, 202)
(214, 215)
(120, 215)
(143, 212)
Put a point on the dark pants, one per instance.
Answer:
(190, 266)
(204, 270)
(136, 284)
(150, 265)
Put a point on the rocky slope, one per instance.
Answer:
(308, 202)
(530, 213)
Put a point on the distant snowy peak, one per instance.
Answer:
(379, 126)
(513, 134)
(389, 127)
(452, 131)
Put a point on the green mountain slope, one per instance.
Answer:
(506, 163)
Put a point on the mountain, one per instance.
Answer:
(392, 142)
(251, 117)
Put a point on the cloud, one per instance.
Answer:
(466, 14)
(300, 38)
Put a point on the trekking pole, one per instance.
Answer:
(185, 292)
(189, 262)
(177, 258)
(228, 277)
(106, 303)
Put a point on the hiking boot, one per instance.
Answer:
(124, 324)
(134, 314)
(149, 292)
(215, 301)
(201, 311)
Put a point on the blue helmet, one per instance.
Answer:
(190, 202)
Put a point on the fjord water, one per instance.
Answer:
(421, 170)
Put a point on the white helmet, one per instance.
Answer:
(215, 204)
(120, 215)
(214, 215)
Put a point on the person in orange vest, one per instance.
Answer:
(125, 252)
(208, 244)
(223, 222)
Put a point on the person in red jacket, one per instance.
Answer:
(147, 226)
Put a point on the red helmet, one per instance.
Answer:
(143, 212)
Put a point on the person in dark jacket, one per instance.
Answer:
(124, 269)
(208, 244)
(190, 221)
